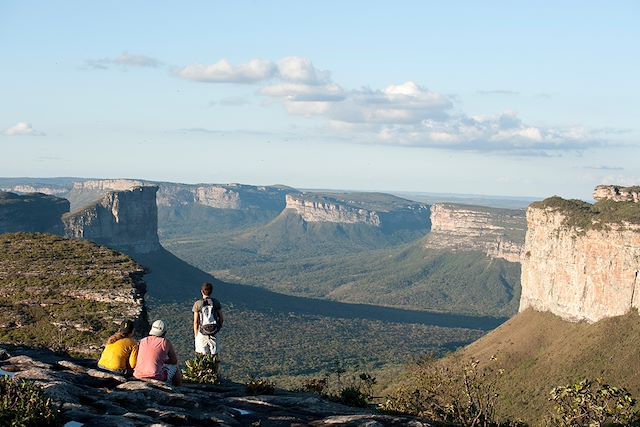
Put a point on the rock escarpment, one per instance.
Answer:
(125, 220)
(376, 210)
(497, 232)
(581, 261)
(328, 211)
(34, 212)
(66, 294)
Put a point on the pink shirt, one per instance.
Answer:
(153, 353)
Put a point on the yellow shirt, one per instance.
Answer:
(119, 356)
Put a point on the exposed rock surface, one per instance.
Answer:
(617, 193)
(125, 220)
(579, 272)
(34, 212)
(497, 232)
(93, 398)
(327, 211)
(383, 211)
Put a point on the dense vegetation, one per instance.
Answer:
(585, 216)
(281, 346)
(408, 276)
(48, 289)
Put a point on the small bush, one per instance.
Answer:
(593, 403)
(23, 404)
(202, 369)
(352, 389)
(260, 386)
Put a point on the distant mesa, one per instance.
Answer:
(581, 261)
(617, 193)
(499, 233)
(33, 212)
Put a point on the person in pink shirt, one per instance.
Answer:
(157, 358)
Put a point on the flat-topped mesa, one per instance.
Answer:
(326, 210)
(581, 261)
(497, 232)
(34, 212)
(126, 220)
(617, 193)
(221, 196)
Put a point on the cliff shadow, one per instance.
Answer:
(172, 280)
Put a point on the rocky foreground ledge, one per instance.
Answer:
(91, 397)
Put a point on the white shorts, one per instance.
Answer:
(206, 344)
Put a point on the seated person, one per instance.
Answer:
(157, 358)
(120, 353)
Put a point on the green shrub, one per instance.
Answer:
(348, 388)
(593, 403)
(260, 386)
(202, 369)
(22, 404)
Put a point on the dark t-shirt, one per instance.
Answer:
(197, 306)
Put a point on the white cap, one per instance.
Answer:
(158, 329)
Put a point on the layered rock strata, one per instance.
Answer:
(328, 211)
(33, 212)
(578, 263)
(66, 294)
(125, 220)
(497, 232)
(617, 193)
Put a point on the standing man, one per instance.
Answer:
(207, 321)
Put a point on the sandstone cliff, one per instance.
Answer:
(125, 220)
(497, 232)
(33, 212)
(581, 261)
(617, 193)
(378, 210)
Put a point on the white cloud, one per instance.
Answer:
(124, 60)
(223, 72)
(301, 70)
(400, 114)
(23, 129)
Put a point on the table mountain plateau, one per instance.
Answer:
(35, 212)
(579, 306)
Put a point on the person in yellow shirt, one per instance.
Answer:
(121, 351)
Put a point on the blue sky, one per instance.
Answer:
(501, 98)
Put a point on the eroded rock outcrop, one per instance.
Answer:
(581, 261)
(34, 212)
(497, 232)
(125, 220)
(617, 193)
(92, 397)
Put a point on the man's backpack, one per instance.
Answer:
(209, 322)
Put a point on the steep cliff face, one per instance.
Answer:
(581, 261)
(497, 232)
(327, 211)
(33, 212)
(382, 211)
(125, 220)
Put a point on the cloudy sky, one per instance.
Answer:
(499, 98)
